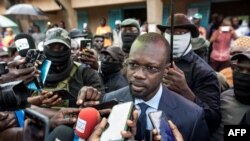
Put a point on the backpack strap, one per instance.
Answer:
(65, 83)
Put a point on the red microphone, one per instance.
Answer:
(88, 118)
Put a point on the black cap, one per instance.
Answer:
(74, 33)
(115, 52)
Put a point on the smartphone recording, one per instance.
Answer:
(37, 127)
(118, 121)
(160, 123)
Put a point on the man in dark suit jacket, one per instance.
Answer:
(149, 58)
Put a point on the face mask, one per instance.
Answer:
(127, 40)
(241, 87)
(59, 59)
(182, 44)
(110, 67)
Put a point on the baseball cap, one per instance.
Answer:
(130, 22)
(75, 33)
(115, 52)
(57, 35)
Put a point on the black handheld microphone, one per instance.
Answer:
(62, 133)
(23, 43)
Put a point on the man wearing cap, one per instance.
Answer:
(98, 43)
(117, 36)
(242, 44)
(196, 20)
(111, 65)
(64, 73)
(130, 31)
(235, 102)
(190, 76)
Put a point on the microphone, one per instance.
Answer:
(61, 133)
(23, 43)
(88, 118)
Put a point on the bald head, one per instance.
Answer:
(155, 40)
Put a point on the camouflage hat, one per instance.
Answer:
(130, 22)
(57, 35)
(242, 44)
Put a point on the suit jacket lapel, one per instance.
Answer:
(167, 103)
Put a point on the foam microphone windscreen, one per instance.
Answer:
(61, 133)
(23, 43)
(88, 118)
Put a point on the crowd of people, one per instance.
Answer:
(201, 88)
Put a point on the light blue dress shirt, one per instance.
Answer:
(153, 104)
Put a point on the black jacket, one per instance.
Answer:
(84, 76)
(202, 80)
(113, 81)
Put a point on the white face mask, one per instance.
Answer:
(181, 45)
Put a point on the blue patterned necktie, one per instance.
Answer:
(142, 122)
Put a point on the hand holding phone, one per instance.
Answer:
(36, 126)
(49, 98)
(64, 94)
(117, 122)
(85, 43)
(160, 123)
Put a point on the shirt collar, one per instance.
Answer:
(154, 101)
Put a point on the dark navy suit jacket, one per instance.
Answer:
(187, 116)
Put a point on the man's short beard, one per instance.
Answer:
(135, 96)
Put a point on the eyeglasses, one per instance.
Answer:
(149, 69)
